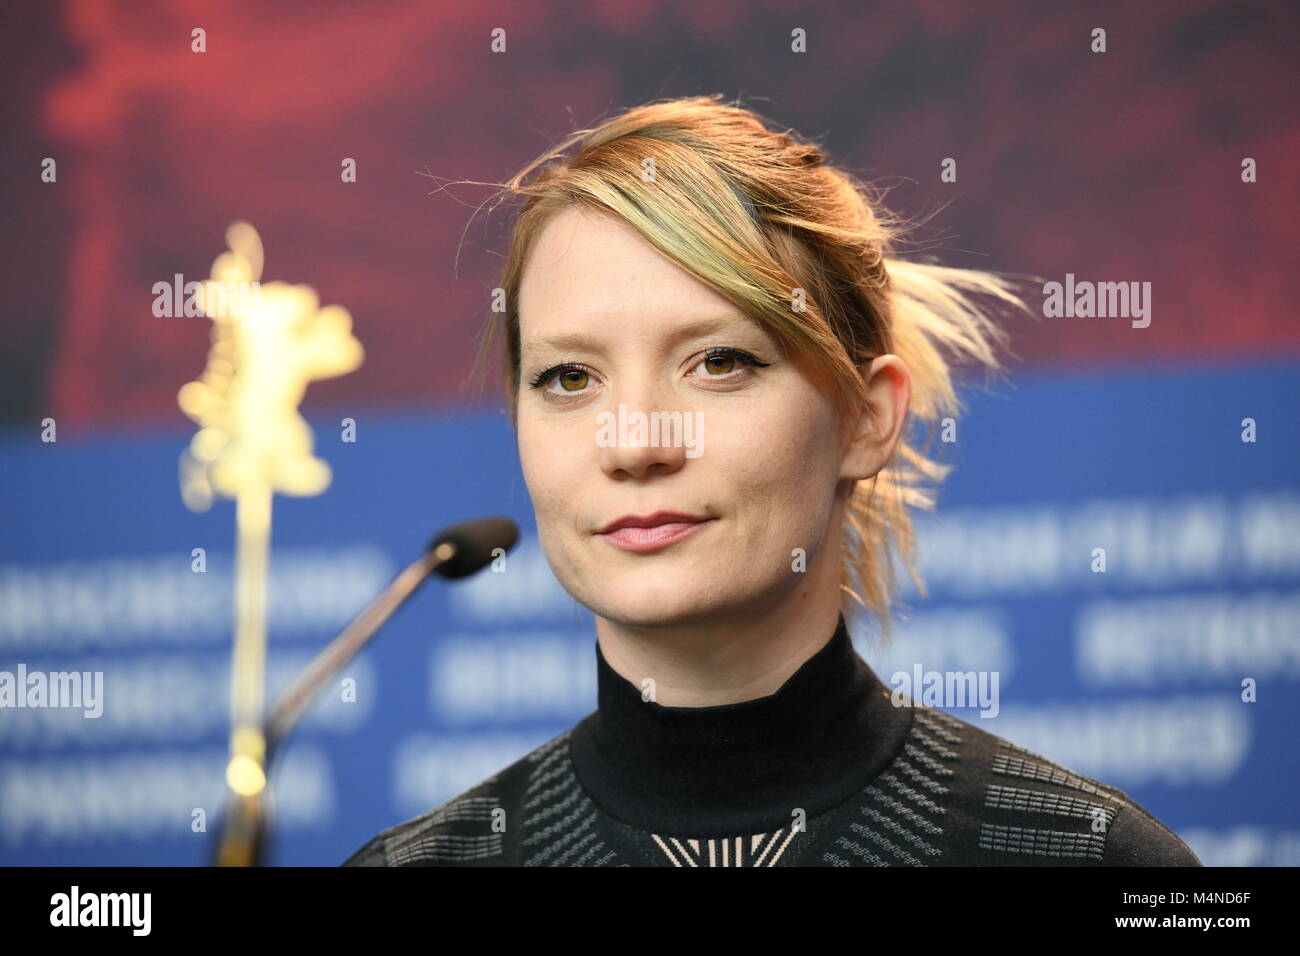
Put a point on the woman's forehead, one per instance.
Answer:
(667, 330)
(601, 263)
(589, 272)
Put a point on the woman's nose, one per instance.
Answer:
(637, 439)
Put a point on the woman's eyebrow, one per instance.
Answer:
(582, 342)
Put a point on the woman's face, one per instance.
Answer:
(758, 453)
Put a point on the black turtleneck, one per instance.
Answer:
(743, 767)
(826, 771)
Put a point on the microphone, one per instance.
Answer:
(473, 545)
(456, 552)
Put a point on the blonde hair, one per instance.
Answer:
(757, 214)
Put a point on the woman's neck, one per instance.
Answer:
(745, 767)
(725, 659)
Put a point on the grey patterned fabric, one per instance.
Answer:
(941, 792)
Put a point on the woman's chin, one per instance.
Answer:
(665, 603)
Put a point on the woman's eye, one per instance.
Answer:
(718, 363)
(721, 363)
(573, 380)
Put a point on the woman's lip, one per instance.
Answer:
(651, 539)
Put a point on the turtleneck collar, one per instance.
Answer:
(745, 767)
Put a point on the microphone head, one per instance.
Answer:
(474, 543)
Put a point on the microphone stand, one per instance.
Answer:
(293, 700)
(457, 552)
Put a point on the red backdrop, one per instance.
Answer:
(1119, 166)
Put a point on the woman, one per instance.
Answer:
(710, 360)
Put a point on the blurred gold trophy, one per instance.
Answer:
(268, 342)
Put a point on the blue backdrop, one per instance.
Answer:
(1133, 675)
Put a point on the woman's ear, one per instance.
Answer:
(878, 427)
